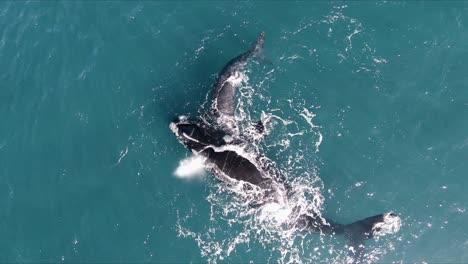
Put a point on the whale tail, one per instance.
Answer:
(374, 226)
(357, 232)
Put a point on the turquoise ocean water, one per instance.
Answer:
(87, 161)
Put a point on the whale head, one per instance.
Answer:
(196, 135)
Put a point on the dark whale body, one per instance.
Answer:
(218, 143)
(203, 140)
(225, 91)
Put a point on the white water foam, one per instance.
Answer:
(390, 225)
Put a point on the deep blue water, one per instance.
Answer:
(88, 88)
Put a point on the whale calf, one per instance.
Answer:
(217, 139)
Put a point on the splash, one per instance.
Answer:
(390, 225)
(275, 213)
(191, 167)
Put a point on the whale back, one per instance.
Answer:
(210, 143)
(234, 165)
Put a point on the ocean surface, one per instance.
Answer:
(371, 115)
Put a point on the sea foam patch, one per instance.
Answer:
(275, 213)
(391, 224)
(191, 167)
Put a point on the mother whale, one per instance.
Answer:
(215, 137)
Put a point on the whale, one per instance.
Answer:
(215, 137)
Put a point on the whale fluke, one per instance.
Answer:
(357, 232)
